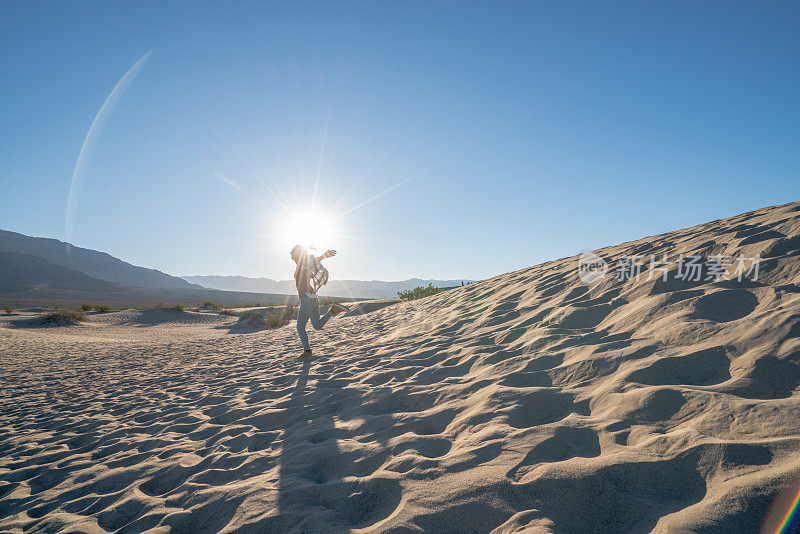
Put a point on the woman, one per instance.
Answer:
(309, 276)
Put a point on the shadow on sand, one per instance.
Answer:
(325, 483)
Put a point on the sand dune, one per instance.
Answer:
(528, 402)
(157, 325)
(368, 306)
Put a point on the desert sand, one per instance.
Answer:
(527, 402)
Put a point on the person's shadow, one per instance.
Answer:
(321, 487)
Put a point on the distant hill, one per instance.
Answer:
(92, 263)
(24, 272)
(41, 272)
(343, 288)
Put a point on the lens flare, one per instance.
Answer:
(89, 142)
(791, 523)
(783, 516)
(309, 228)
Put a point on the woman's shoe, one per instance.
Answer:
(306, 354)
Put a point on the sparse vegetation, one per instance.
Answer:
(276, 304)
(230, 313)
(255, 305)
(278, 318)
(62, 316)
(253, 318)
(9, 310)
(102, 308)
(164, 306)
(274, 318)
(419, 292)
(249, 305)
(212, 305)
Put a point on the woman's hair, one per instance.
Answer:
(299, 251)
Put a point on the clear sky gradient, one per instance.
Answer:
(502, 134)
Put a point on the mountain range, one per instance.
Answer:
(37, 271)
(91, 263)
(339, 288)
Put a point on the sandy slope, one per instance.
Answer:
(526, 402)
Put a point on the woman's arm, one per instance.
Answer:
(327, 254)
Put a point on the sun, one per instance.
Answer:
(309, 228)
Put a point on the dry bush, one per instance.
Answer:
(418, 292)
(274, 318)
(61, 316)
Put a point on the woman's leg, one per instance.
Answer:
(316, 321)
(302, 318)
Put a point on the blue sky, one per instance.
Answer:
(543, 128)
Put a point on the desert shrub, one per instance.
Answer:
(418, 292)
(102, 308)
(9, 310)
(180, 307)
(253, 318)
(281, 316)
(160, 304)
(230, 313)
(253, 304)
(86, 306)
(274, 318)
(62, 316)
(212, 305)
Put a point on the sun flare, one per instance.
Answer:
(309, 228)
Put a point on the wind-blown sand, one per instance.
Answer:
(529, 401)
